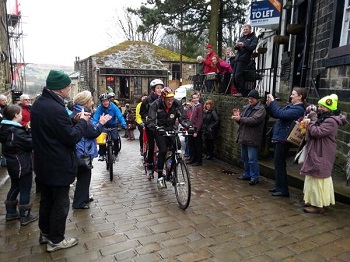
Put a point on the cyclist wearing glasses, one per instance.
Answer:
(108, 108)
(156, 86)
(163, 113)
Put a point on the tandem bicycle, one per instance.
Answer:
(176, 171)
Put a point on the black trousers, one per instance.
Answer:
(238, 74)
(151, 137)
(140, 128)
(164, 144)
(53, 211)
(82, 188)
(196, 147)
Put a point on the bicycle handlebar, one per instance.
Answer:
(110, 128)
(174, 132)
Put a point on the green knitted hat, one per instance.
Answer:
(57, 80)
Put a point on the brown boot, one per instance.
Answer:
(11, 210)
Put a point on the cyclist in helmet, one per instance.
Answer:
(156, 86)
(108, 108)
(164, 113)
(111, 97)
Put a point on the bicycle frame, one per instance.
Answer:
(110, 158)
(178, 173)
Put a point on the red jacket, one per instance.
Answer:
(222, 67)
(207, 62)
(25, 115)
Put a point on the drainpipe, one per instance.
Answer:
(275, 51)
(9, 46)
(305, 59)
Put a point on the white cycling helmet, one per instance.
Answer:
(156, 82)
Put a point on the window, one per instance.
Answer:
(137, 85)
(345, 33)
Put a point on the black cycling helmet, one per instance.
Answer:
(103, 97)
(156, 82)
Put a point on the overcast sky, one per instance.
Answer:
(55, 32)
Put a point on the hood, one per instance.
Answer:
(341, 120)
(6, 128)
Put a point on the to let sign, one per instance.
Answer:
(265, 13)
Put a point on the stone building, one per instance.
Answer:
(5, 73)
(129, 67)
(12, 80)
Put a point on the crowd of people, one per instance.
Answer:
(227, 75)
(52, 144)
(320, 143)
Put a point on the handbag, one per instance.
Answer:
(301, 154)
(295, 135)
(85, 162)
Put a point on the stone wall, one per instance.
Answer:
(4, 55)
(226, 147)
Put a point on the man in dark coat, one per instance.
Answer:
(54, 138)
(245, 47)
(251, 124)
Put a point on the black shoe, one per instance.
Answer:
(82, 207)
(253, 182)
(273, 190)
(209, 158)
(243, 178)
(101, 158)
(280, 194)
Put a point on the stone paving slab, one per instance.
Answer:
(227, 220)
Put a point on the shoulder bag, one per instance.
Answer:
(85, 161)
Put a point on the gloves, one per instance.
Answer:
(161, 131)
(191, 129)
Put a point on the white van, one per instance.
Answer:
(180, 92)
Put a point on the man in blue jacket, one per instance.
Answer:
(108, 108)
(54, 137)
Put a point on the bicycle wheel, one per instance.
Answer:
(182, 184)
(110, 161)
(119, 144)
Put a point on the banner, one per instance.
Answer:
(265, 14)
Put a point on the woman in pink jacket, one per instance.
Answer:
(320, 155)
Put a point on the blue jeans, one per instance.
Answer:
(280, 155)
(21, 186)
(250, 156)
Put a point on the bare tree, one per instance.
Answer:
(170, 42)
(129, 27)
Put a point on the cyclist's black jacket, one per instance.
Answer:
(145, 106)
(159, 116)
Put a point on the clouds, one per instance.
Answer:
(55, 32)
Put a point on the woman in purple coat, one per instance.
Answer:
(320, 155)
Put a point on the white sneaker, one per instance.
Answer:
(65, 243)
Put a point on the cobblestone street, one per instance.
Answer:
(227, 220)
